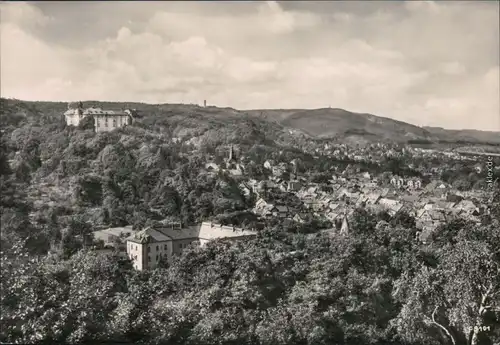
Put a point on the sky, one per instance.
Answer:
(426, 63)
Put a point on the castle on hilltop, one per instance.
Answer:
(104, 120)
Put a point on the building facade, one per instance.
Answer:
(148, 247)
(107, 120)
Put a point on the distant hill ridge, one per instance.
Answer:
(323, 123)
(340, 123)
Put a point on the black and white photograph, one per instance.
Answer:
(250, 172)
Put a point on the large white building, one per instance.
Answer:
(104, 120)
(147, 247)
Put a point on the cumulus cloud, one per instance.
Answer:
(411, 62)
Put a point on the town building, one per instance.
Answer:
(148, 247)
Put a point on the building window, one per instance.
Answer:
(157, 249)
(149, 249)
(149, 258)
(105, 121)
(165, 247)
(157, 258)
(114, 121)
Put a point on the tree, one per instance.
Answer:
(49, 301)
(449, 301)
(87, 123)
(403, 219)
(362, 221)
(89, 191)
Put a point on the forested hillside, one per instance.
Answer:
(145, 172)
(290, 285)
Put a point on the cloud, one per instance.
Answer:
(22, 14)
(409, 62)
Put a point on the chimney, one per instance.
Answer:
(205, 103)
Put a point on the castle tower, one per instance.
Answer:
(80, 108)
(74, 114)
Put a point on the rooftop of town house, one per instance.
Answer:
(148, 235)
(180, 233)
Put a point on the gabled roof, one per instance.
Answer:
(437, 216)
(301, 216)
(421, 212)
(148, 235)
(209, 231)
(396, 207)
(333, 215)
(244, 185)
(465, 204)
(334, 206)
(384, 192)
(410, 197)
(282, 208)
(180, 234)
(387, 202)
(381, 224)
(261, 202)
(445, 204)
(433, 185)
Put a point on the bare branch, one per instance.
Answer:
(441, 326)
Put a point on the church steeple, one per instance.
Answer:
(232, 154)
(344, 229)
